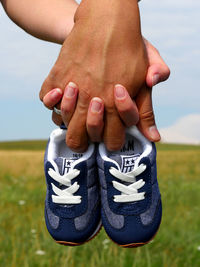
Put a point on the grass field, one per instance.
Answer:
(24, 240)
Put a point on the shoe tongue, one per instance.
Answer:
(128, 155)
(126, 162)
(65, 164)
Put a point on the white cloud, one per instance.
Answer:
(186, 131)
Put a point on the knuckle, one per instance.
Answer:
(54, 73)
(93, 124)
(125, 108)
(65, 109)
(147, 116)
(95, 131)
(56, 78)
(110, 107)
(85, 96)
(95, 139)
(114, 145)
(75, 145)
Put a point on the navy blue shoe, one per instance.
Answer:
(72, 206)
(130, 198)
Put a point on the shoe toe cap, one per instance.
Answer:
(134, 232)
(68, 230)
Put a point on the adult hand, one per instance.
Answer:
(158, 71)
(104, 48)
(127, 108)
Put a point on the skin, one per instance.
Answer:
(130, 110)
(53, 21)
(48, 20)
(90, 59)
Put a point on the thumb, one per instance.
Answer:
(146, 122)
(157, 73)
(158, 70)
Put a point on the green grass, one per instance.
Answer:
(23, 231)
(24, 145)
(161, 146)
(36, 145)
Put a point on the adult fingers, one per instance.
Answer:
(114, 130)
(68, 103)
(95, 119)
(158, 70)
(146, 122)
(126, 107)
(77, 138)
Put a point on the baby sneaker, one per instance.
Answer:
(130, 197)
(72, 205)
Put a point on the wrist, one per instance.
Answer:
(107, 9)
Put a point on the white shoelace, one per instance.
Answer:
(65, 196)
(129, 193)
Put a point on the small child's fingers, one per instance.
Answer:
(68, 103)
(126, 107)
(52, 98)
(57, 119)
(95, 119)
(158, 70)
(157, 73)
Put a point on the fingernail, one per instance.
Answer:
(119, 91)
(155, 79)
(153, 131)
(73, 85)
(70, 90)
(96, 106)
(56, 93)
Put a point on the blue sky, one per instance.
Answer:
(172, 26)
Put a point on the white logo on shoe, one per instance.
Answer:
(128, 162)
(66, 165)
